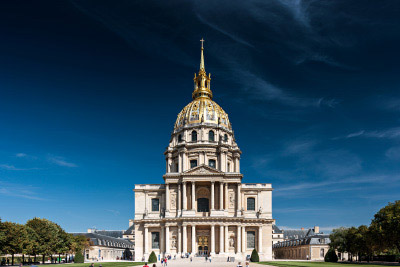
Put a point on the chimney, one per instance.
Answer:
(302, 228)
(316, 229)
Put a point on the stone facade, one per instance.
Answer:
(203, 208)
(106, 245)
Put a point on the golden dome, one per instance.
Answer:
(202, 109)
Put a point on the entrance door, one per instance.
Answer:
(203, 246)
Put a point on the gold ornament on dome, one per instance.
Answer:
(202, 109)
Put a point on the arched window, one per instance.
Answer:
(194, 136)
(211, 136)
(180, 138)
(203, 205)
(225, 137)
(251, 203)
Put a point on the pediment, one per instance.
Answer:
(203, 169)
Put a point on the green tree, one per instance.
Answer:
(63, 242)
(152, 257)
(254, 256)
(2, 236)
(331, 256)
(351, 242)
(386, 225)
(79, 257)
(32, 247)
(338, 239)
(15, 239)
(46, 232)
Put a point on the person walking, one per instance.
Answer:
(145, 265)
(239, 264)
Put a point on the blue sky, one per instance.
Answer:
(90, 90)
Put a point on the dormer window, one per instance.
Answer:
(194, 136)
(211, 136)
(180, 138)
(225, 137)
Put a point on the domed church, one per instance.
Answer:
(203, 208)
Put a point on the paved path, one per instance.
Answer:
(184, 263)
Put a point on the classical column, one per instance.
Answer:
(239, 203)
(221, 195)
(221, 239)
(260, 239)
(243, 238)
(213, 239)
(179, 162)
(167, 197)
(146, 240)
(167, 239)
(239, 241)
(184, 196)
(178, 205)
(179, 241)
(212, 195)
(193, 196)
(193, 239)
(223, 161)
(184, 161)
(205, 158)
(226, 239)
(162, 240)
(226, 197)
(184, 239)
(169, 162)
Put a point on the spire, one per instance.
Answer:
(202, 81)
(202, 55)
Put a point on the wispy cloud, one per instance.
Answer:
(21, 155)
(294, 210)
(10, 167)
(19, 191)
(391, 133)
(60, 161)
(327, 185)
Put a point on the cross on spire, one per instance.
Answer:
(202, 56)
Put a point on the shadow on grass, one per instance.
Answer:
(325, 264)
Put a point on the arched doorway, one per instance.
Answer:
(203, 246)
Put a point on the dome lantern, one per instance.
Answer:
(202, 81)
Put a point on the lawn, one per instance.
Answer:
(103, 264)
(315, 264)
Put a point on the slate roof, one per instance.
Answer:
(316, 239)
(130, 230)
(107, 241)
(276, 229)
(295, 234)
(110, 233)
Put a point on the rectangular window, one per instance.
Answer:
(251, 239)
(211, 163)
(193, 163)
(155, 240)
(229, 167)
(322, 253)
(155, 204)
(251, 203)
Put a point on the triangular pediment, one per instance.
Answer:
(203, 169)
